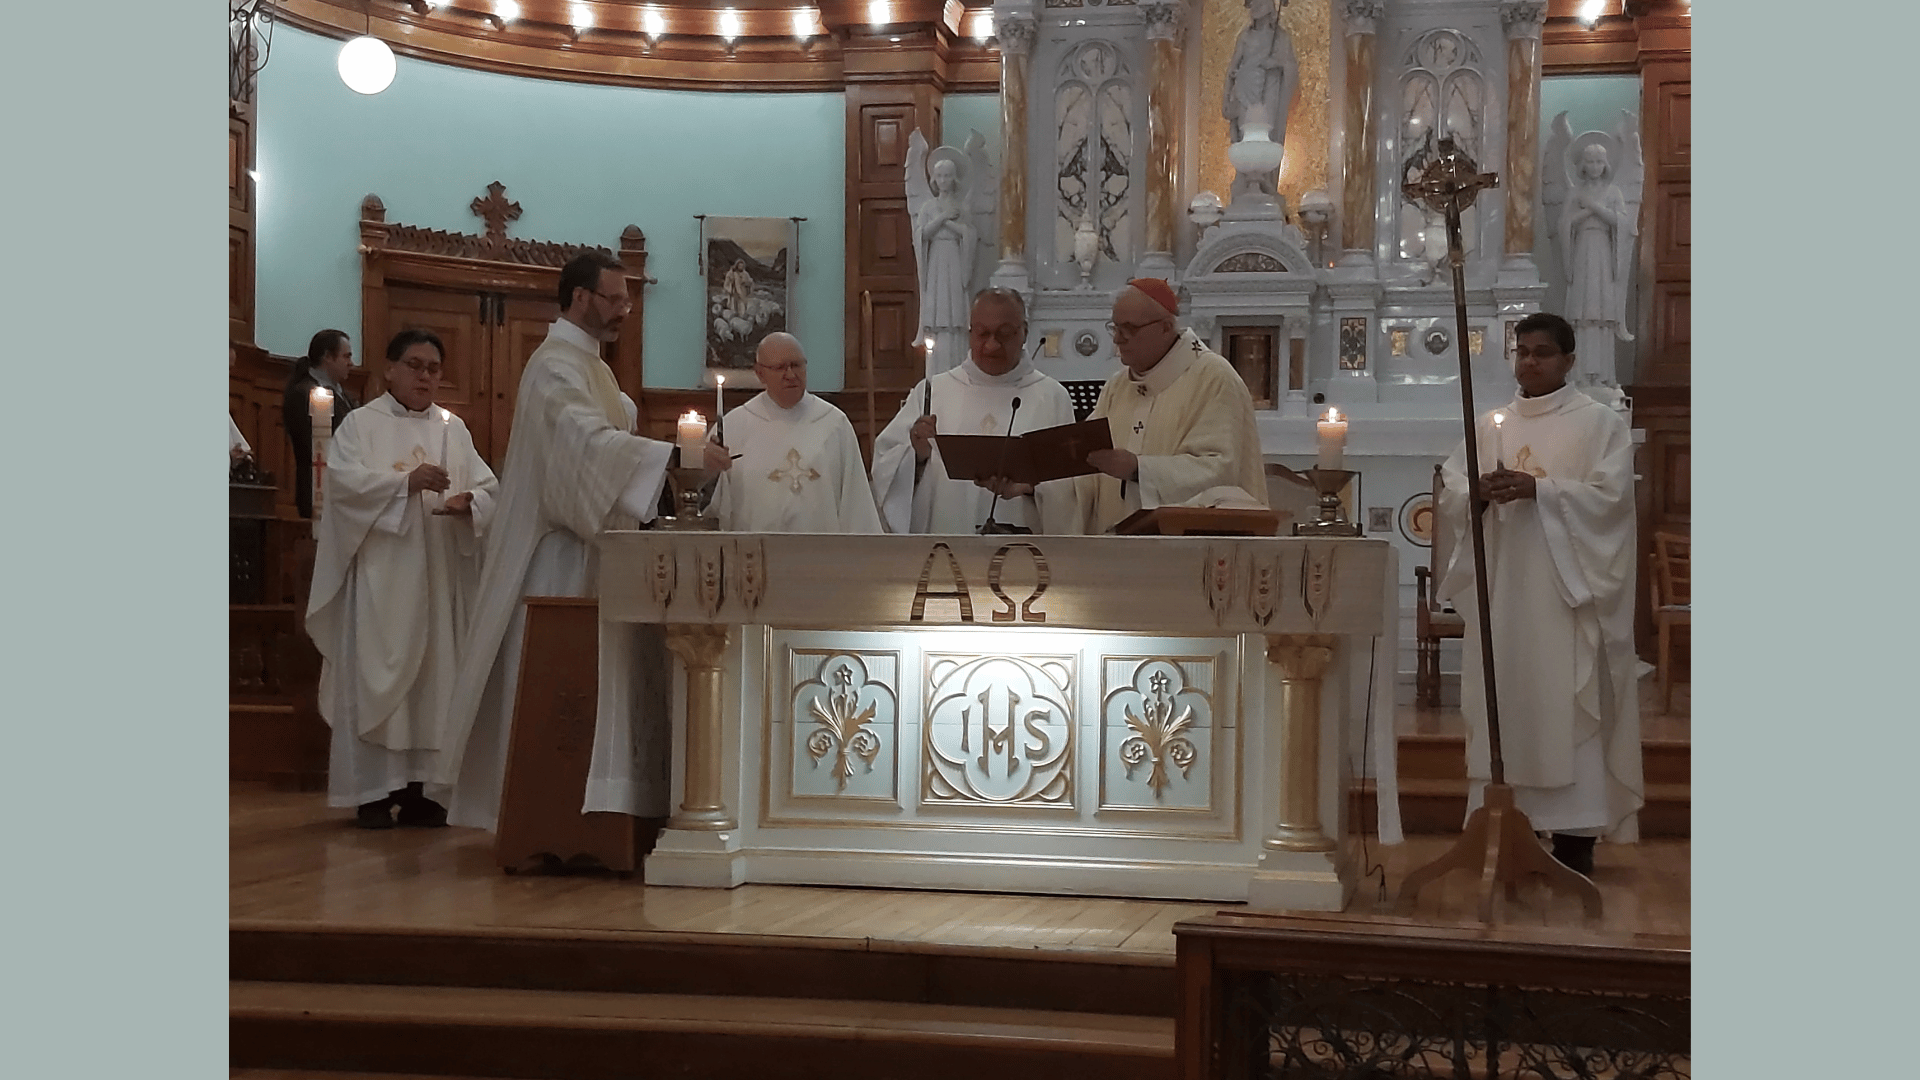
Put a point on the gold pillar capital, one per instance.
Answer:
(1301, 657)
(698, 645)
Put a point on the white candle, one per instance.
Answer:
(320, 408)
(1333, 440)
(1499, 441)
(691, 433)
(446, 427)
(719, 406)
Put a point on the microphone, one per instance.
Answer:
(990, 526)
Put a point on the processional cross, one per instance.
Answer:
(1497, 845)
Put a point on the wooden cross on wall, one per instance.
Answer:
(497, 211)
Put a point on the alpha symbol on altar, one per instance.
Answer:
(794, 475)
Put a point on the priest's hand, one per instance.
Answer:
(1507, 485)
(715, 458)
(922, 434)
(1115, 462)
(1003, 487)
(428, 477)
(460, 505)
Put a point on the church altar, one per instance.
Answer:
(1130, 716)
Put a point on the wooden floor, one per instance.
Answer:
(293, 861)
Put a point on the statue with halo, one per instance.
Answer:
(1261, 79)
(1594, 206)
(950, 196)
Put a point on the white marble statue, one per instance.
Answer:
(1595, 208)
(1261, 79)
(950, 195)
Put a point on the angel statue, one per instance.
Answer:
(950, 195)
(1594, 225)
(1261, 79)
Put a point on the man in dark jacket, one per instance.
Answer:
(329, 358)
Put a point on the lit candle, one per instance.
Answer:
(446, 427)
(320, 408)
(719, 408)
(1499, 441)
(1333, 440)
(691, 433)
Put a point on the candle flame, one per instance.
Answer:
(1333, 415)
(445, 416)
(693, 417)
(719, 380)
(1499, 418)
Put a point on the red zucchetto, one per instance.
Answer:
(1159, 291)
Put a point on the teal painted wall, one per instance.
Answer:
(583, 161)
(963, 114)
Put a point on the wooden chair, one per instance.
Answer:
(1671, 582)
(1431, 621)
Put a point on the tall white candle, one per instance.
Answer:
(690, 434)
(1499, 441)
(1333, 440)
(719, 406)
(446, 428)
(320, 408)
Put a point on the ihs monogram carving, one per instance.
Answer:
(999, 730)
(1159, 737)
(795, 475)
(842, 724)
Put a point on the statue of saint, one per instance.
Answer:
(1593, 234)
(945, 192)
(1261, 78)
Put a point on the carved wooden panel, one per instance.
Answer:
(522, 326)
(886, 239)
(1673, 105)
(240, 221)
(884, 130)
(239, 284)
(881, 117)
(466, 380)
(1673, 319)
(1673, 224)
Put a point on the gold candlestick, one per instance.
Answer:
(1332, 521)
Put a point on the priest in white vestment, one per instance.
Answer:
(1560, 583)
(910, 482)
(574, 468)
(790, 462)
(398, 557)
(1182, 420)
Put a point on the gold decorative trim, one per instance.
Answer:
(663, 576)
(1041, 570)
(1316, 579)
(960, 592)
(711, 585)
(1219, 573)
(751, 558)
(1263, 589)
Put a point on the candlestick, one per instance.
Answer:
(719, 408)
(1333, 440)
(1499, 442)
(691, 432)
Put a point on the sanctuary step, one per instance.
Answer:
(568, 1004)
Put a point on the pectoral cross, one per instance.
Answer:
(1139, 426)
(1196, 346)
(794, 476)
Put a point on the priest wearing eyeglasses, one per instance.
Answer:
(1182, 420)
(395, 568)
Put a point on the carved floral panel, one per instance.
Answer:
(843, 723)
(1158, 732)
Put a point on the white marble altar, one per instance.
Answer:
(1024, 714)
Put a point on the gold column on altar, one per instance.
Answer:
(1302, 660)
(703, 803)
(1362, 18)
(1016, 33)
(1166, 32)
(1522, 20)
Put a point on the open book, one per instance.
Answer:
(1031, 458)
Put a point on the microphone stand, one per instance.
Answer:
(991, 527)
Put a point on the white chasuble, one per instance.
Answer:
(967, 401)
(573, 469)
(1560, 584)
(391, 587)
(1189, 419)
(799, 470)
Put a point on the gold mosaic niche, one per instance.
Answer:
(1305, 167)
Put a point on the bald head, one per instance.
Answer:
(1143, 330)
(782, 367)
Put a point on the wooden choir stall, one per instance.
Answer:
(1169, 716)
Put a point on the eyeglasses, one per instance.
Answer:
(1006, 335)
(797, 367)
(1538, 352)
(1125, 331)
(422, 369)
(619, 301)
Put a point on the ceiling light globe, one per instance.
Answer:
(366, 65)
